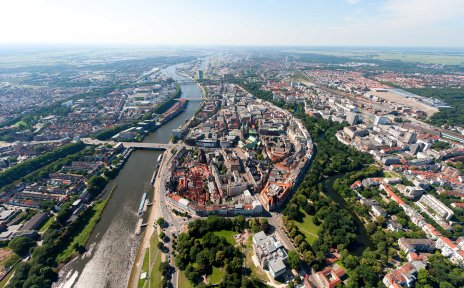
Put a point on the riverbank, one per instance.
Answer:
(81, 239)
(205, 94)
(113, 245)
(107, 133)
(150, 230)
(362, 240)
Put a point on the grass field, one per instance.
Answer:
(391, 174)
(47, 224)
(217, 276)
(416, 57)
(308, 228)
(229, 235)
(154, 262)
(183, 281)
(144, 268)
(155, 274)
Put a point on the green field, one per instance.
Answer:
(146, 260)
(415, 57)
(217, 276)
(391, 174)
(308, 228)
(47, 224)
(151, 258)
(229, 235)
(183, 281)
(155, 274)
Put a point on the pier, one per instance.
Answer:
(138, 228)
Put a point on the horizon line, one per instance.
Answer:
(148, 45)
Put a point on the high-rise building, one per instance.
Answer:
(200, 74)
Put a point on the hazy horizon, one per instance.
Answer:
(242, 23)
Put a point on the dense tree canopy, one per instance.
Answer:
(21, 245)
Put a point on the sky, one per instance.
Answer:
(429, 23)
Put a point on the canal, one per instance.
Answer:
(113, 244)
(362, 240)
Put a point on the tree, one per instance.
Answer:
(264, 224)
(21, 245)
(96, 184)
(220, 256)
(47, 205)
(293, 259)
(164, 268)
(350, 262)
(309, 257)
(161, 222)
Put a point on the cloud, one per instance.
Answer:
(352, 2)
(421, 12)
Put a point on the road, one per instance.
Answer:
(159, 209)
(176, 223)
(276, 221)
(154, 214)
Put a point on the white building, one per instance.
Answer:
(270, 253)
(438, 207)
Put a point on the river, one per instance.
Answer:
(362, 240)
(113, 244)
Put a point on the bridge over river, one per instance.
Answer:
(193, 99)
(135, 145)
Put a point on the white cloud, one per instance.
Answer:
(352, 2)
(422, 12)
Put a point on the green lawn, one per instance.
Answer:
(229, 235)
(47, 224)
(391, 174)
(217, 276)
(183, 281)
(154, 274)
(308, 228)
(144, 268)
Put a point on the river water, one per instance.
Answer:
(362, 240)
(113, 244)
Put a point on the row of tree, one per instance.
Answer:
(20, 170)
